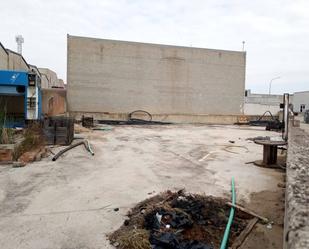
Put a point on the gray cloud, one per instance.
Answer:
(276, 31)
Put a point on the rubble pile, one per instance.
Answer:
(177, 221)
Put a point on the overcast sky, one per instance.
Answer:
(276, 32)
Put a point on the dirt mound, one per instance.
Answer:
(175, 220)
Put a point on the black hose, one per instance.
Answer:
(137, 119)
(134, 121)
(86, 144)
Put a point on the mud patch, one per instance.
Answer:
(177, 220)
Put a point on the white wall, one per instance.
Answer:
(120, 77)
(259, 109)
(300, 98)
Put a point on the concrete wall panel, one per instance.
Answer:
(54, 101)
(120, 77)
(3, 58)
(259, 109)
(16, 62)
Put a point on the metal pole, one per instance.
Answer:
(286, 116)
(269, 90)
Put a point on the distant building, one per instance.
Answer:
(301, 101)
(52, 89)
(50, 79)
(257, 104)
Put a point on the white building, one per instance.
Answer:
(301, 101)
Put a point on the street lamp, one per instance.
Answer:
(269, 92)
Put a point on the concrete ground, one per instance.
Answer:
(70, 203)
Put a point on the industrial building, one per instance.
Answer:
(118, 77)
(11, 60)
(26, 91)
(20, 97)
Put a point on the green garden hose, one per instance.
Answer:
(230, 221)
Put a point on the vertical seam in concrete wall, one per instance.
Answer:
(68, 80)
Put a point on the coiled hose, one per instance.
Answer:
(225, 238)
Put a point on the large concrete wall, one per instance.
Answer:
(120, 77)
(300, 98)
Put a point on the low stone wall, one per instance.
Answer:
(296, 230)
(173, 118)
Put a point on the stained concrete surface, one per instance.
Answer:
(70, 203)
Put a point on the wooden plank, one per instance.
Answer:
(264, 219)
(244, 234)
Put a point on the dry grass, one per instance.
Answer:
(134, 239)
(6, 134)
(32, 140)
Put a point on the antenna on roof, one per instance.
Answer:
(19, 40)
(243, 45)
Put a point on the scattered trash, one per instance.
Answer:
(207, 155)
(99, 127)
(87, 121)
(177, 220)
(264, 219)
(258, 138)
(18, 164)
(270, 122)
(251, 162)
(126, 222)
(281, 185)
(239, 149)
(244, 234)
(269, 226)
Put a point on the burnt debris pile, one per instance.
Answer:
(177, 221)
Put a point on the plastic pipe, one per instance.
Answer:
(230, 221)
(89, 148)
(84, 142)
